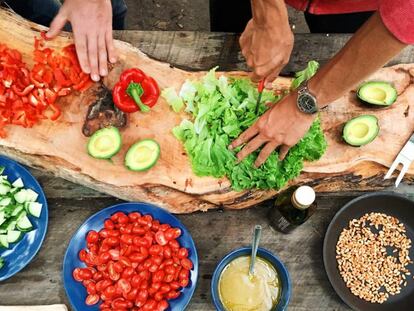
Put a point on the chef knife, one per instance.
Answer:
(260, 88)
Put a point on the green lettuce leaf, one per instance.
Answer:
(222, 108)
(175, 101)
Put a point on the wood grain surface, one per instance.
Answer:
(59, 147)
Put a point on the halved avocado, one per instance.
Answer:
(105, 143)
(361, 130)
(142, 155)
(377, 93)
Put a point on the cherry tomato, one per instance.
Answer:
(123, 219)
(111, 241)
(169, 269)
(109, 224)
(114, 254)
(131, 295)
(182, 253)
(109, 291)
(184, 282)
(175, 285)
(167, 252)
(92, 300)
(142, 298)
(160, 238)
(158, 276)
(124, 285)
(128, 272)
(97, 276)
(91, 288)
(186, 263)
(134, 216)
(92, 237)
(165, 288)
(104, 233)
(82, 255)
(173, 295)
(119, 303)
(184, 274)
(136, 281)
(113, 274)
(137, 229)
(150, 305)
(155, 250)
(85, 274)
(137, 257)
(127, 239)
(155, 225)
(104, 257)
(76, 275)
(118, 267)
(162, 305)
(169, 278)
(174, 244)
(158, 296)
(165, 227)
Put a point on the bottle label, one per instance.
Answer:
(279, 222)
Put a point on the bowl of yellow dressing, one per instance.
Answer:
(234, 290)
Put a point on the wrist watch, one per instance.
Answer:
(306, 101)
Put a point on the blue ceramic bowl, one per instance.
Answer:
(22, 253)
(76, 292)
(265, 254)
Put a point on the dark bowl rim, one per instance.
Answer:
(282, 270)
(331, 224)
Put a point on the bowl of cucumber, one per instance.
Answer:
(23, 217)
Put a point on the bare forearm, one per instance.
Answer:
(367, 51)
(268, 12)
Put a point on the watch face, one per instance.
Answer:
(307, 103)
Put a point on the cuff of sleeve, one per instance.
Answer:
(398, 17)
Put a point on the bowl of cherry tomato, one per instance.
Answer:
(131, 256)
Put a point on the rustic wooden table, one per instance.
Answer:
(215, 232)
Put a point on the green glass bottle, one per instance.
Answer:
(292, 208)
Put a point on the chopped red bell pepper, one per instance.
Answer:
(135, 91)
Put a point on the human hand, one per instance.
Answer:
(267, 48)
(281, 126)
(91, 22)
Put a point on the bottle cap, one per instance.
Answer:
(304, 196)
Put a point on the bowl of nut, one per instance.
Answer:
(368, 252)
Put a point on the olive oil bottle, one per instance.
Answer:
(292, 208)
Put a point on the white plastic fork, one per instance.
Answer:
(405, 157)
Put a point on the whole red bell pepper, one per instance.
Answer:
(135, 91)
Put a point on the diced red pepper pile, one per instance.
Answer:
(28, 96)
(133, 263)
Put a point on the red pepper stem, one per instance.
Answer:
(135, 90)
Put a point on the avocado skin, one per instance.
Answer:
(386, 86)
(370, 139)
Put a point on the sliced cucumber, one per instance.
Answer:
(14, 236)
(11, 225)
(2, 218)
(3, 241)
(18, 183)
(21, 196)
(2, 263)
(4, 189)
(35, 209)
(31, 195)
(2, 168)
(17, 210)
(6, 201)
(24, 224)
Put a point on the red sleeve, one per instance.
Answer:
(398, 17)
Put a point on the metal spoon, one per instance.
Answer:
(255, 244)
